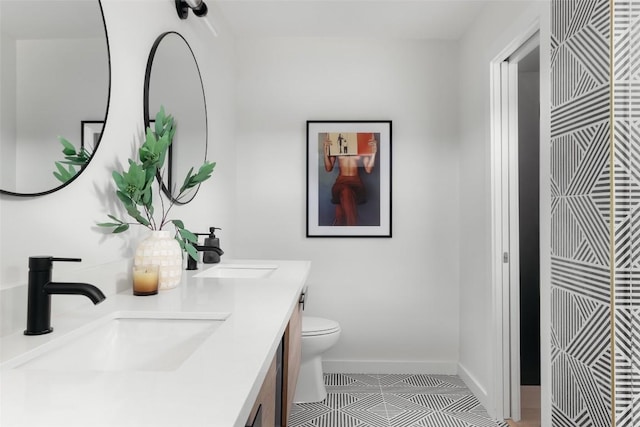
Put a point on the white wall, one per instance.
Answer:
(498, 25)
(63, 223)
(396, 299)
(8, 111)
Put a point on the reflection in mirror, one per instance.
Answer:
(54, 75)
(173, 80)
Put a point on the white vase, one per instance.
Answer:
(162, 249)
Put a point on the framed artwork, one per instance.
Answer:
(91, 132)
(349, 178)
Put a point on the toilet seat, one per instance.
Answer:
(314, 326)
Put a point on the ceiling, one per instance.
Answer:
(432, 19)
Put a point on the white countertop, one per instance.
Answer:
(216, 386)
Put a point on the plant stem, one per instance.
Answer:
(163, 221)
(150, 218)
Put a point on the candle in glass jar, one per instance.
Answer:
(145, 280)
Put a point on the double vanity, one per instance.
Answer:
(221, 349)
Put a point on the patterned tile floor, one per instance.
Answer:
(358, 400)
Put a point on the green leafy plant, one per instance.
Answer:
(72, 157)
(135, 185)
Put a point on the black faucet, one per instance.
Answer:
(41, 288)
(192, 264)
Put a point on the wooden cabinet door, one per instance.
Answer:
(291, 363)
(263, 413)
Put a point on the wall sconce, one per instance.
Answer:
(198, 7)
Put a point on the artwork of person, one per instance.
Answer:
(349, 191)
(341, 140)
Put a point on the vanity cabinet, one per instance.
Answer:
(263, 413)
(275, 400)
(292, 349)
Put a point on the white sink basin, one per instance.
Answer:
(238, 271)
(126, 342)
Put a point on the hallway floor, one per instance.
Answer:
(529, 407)
(359, 400)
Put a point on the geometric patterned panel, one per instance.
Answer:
(627, 367)
(566, 232)
(585, 281)
(579, 230)
(357, 400)
(580, 178)
(567, 153)
(580, 214)
(627, 184)
(626, 90)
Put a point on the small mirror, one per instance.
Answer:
(54, 82)
(173, 81)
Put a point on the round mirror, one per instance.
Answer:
(173, 81)
(54, 90)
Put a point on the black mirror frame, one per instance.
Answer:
(106, 114)
(147, 79)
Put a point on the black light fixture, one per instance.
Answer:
(198, 7)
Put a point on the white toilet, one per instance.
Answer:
(318, 336)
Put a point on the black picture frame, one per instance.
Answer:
(349, 188)
(90, 133)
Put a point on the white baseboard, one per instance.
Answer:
(388, 367)
(476, 388)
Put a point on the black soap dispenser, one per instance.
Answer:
(211, 257)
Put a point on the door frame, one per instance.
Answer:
(505, 266)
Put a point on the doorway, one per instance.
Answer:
(529, 215)
(516, 225)
(529, 234)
